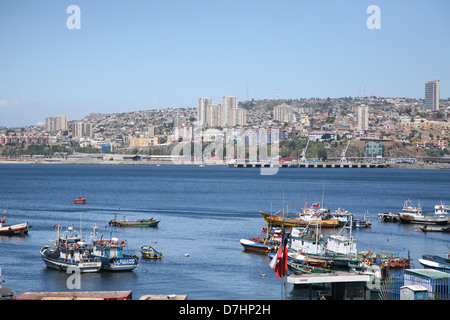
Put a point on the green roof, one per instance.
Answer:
(428, 273)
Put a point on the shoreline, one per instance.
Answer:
(416, 165)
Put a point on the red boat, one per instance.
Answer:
(80, 200)
(12, 230)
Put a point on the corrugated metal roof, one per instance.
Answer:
(428, 273)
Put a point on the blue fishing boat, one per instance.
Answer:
(435, 262)
(111, 254)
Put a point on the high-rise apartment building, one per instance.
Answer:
(203, 103)
(238, 117)
(220, 115)
(53, 124)
(81, 129)
(432, 95)
(214, 115)
(363, 117)
(283, 113)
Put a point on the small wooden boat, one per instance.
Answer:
(258, 246)
(435, 262)
(79, 200)
(435, 228)
(298, 268)
(149, 252)
(14, 229)
(311, 260)
(134, 223)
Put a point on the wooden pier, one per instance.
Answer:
(307, 165)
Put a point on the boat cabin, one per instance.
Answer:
(341, 245)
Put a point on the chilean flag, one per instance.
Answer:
(279, 262)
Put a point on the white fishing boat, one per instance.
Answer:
(304, 240)
(442, 209)
(413, 214)
(70, 251)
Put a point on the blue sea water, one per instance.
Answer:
(204, 212)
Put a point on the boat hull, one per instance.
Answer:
(257, 247)
(150, 253)
(118, 264)
(277, 221)
(408, 218)
(145, 224)
(436, 263)
(435, 229)
(52, 262)
(16, 229)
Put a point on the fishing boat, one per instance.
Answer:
(442, 209)
(413, 214)
(13, 229)
(362, 223)
(305, 240)
(80, 200)
(111, 253)
(70, 251)
(343, 216)
(134, 223)
(298, 268)
(257, 246)
(300, 221)
(421, 219)
(427, 228)
(319, 261)
(436, 262)
(149, 252)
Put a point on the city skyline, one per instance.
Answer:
(143, 55)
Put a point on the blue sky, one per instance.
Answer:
(136, 55)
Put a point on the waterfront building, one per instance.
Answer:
(374, 149)
(432, 95)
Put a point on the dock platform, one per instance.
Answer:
(307, 165)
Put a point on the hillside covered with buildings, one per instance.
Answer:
(362, 127)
